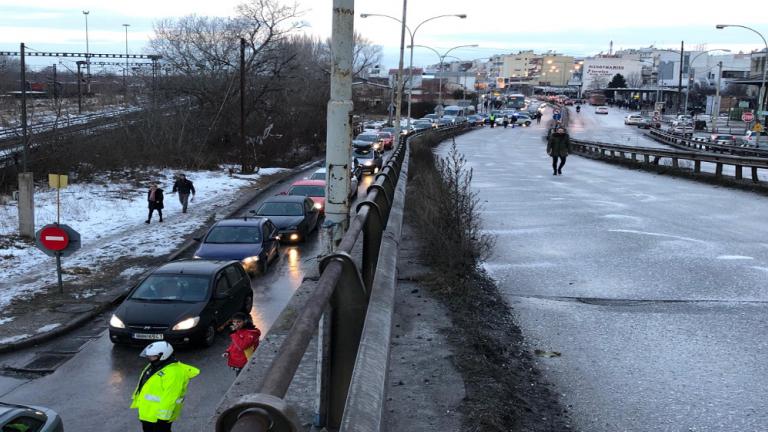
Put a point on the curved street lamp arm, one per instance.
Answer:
(462, 16)
(722, 26)
(365, 15)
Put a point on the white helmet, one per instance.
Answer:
(162, 349)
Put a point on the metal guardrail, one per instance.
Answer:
(613, 151)
(706, 145)
(358, 304)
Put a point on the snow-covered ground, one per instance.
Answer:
(109, 215)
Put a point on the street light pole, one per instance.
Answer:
(442, 58)
(125, 71)
(761, 96)
(87, 57)
(412, 35)
(688, 87)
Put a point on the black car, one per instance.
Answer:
(31, 418)
(252, 241)
(294, 215)
(182, 302)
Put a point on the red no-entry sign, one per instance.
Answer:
(54, 238)
(747, 116)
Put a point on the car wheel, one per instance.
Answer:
(527, 124)
(209, 336)
(247, 304)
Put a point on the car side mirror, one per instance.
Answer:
(252, 211)
(197, 239)
(283, 193)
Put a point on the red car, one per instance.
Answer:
(386, 139)
(314, 189)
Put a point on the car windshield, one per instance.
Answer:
(313, 191)
(369, 138)
(234, 234)
(317, 175)
(173, 287)
(385, 135)
(362, 153)
(280, 209)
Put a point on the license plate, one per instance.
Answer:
(148, 336)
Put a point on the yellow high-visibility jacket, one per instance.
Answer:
(162, 396)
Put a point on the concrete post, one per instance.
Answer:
(26, 205)
(399, 91)
(339, 127)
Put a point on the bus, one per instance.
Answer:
(516, 101)
(597, 99)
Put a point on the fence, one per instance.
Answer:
(618, 152)
(358, 306)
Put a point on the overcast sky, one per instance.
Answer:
(578, 28)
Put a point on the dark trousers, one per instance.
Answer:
(555, 167)
(160, 426)
(184, 200)
(159, 212)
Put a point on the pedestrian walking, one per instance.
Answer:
(159, 395)
(558, 146)
(245, 339)
(155, 201)
(184, 187)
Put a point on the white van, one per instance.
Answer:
(455, 111)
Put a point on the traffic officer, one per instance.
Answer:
(159, 395)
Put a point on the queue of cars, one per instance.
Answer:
(188, 301)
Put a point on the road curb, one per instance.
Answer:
(84, 317)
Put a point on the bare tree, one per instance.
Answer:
(204, 56)
(634, 80)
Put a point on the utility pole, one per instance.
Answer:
(79, 89)
(399, 94)
(339, 124)
(87, 57)
(715, 114)
(24, 132)
(55, 87)
(125, 71)
(680, 78)
(245, 167)
(26, 201)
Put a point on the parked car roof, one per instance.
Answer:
(192, 266)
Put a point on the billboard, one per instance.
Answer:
(598, 72)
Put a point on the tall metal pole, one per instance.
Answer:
(245, 166)
(24, 136)
(680, 78)
(761, 95)
(399, 94)
(440, 84)
(79, 89)
(715, 114)
(87, 57)
(55, 87)
(125, 71)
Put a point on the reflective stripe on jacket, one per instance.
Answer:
(162, 396)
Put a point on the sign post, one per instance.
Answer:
(57, 240)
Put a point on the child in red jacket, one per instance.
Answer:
(245, 339)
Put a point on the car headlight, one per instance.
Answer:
(318, 205)
(249, 260)
(294, 237)
(187, 323)
(377, 146)
(116, 322)
(196, 257)
(368, 163)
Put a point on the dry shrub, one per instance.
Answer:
(447, 210)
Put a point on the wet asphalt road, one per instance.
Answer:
(651, 288)
(92, 390)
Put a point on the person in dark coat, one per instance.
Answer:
(155, 200)
(558, 146)
(184, 187)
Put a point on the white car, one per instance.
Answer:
(633, 119)
(322, 174)
(601, 110)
